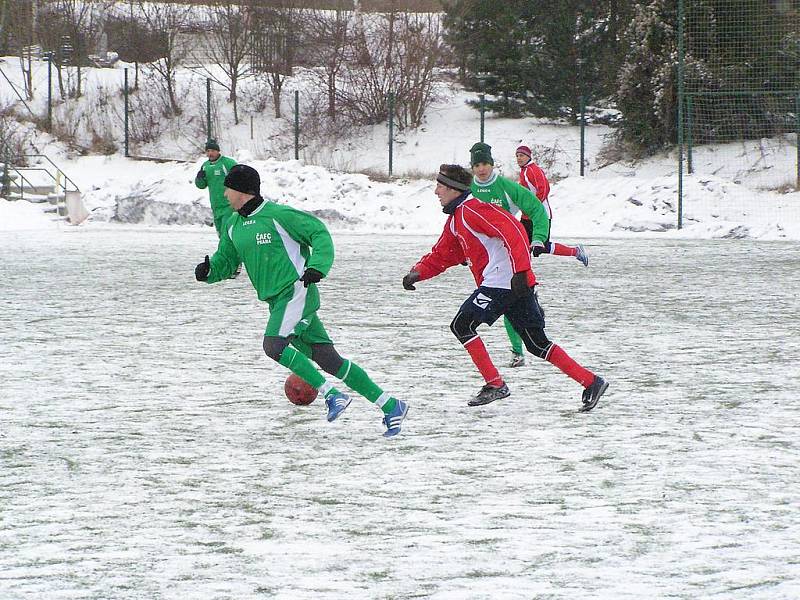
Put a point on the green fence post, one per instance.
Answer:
(689, 105)
(49, 91)
(391, 131)
(483, 110)
(296, 125)
(125, 94)
(208, 107)
(680, 113)
(583, 133)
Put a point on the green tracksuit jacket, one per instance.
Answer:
(514, 198)
(214, 180)
(276, 243)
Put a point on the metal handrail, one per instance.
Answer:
(56, 167)
(18, 184)
(16, 91)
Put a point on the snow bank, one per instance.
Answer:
(118, 190)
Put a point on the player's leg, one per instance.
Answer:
(288, 316)
(517, 357)
(483, 306)
(559, 249)
(527, 317)
(353, 376)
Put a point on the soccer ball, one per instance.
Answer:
(298, 391)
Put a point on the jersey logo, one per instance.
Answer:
(263, 238)
(250, 222)
(481, 301)
(484, 190)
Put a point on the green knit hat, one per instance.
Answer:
(212, 144)
(480, 153)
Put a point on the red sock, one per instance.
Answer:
(563, 249)
(562, 360)
(479, 355)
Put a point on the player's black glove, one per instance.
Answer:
(202, 270)
(201, 174)
(519, 284)
(311, 276)
(537, 248)
(410, 279)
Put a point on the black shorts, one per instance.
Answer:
(487, 304)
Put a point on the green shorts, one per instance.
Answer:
(293, 314)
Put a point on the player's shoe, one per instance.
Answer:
(517, 360)
(489, 394)
(592, 393)
(582, 255)
(394, 419)
(336, 403)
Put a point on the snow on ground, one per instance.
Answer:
(147, 451)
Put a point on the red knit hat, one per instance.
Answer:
(524, 150)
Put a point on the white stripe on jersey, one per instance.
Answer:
(498, 270)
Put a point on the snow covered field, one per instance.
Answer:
(147, 451)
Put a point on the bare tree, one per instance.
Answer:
(329, 34)
(276, 29)
(397, 55)
(229, 47)
(167, 20)
(68, 29)
(18, 18)
(134, 42)
(419, 49)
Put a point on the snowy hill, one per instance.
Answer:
(613, 199)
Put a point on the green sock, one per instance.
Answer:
(513, 337)
(356, 378)
(299, 364)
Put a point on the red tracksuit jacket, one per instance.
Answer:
(532, 177)
(489, 238)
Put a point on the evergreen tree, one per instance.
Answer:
(537, 57)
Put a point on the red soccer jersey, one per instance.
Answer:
(532, 177)
(490, 239)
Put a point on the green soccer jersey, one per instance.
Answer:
(215, 173)
(276, 243)
(514, 198)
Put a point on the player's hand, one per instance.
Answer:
(537, 248)
(410, 279)
(519, 284)
(201, 174)
(202, 270)
(311, 276)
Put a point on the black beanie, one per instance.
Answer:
(480, 153)
(244, 179)
(212, 144)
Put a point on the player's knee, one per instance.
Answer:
(536, 341)
(326, 356)
(274, 346)
(463, 327)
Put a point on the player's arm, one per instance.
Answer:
(311, 231)
(225, 260)
(529, 204)
(200, 179)
(445, 253)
